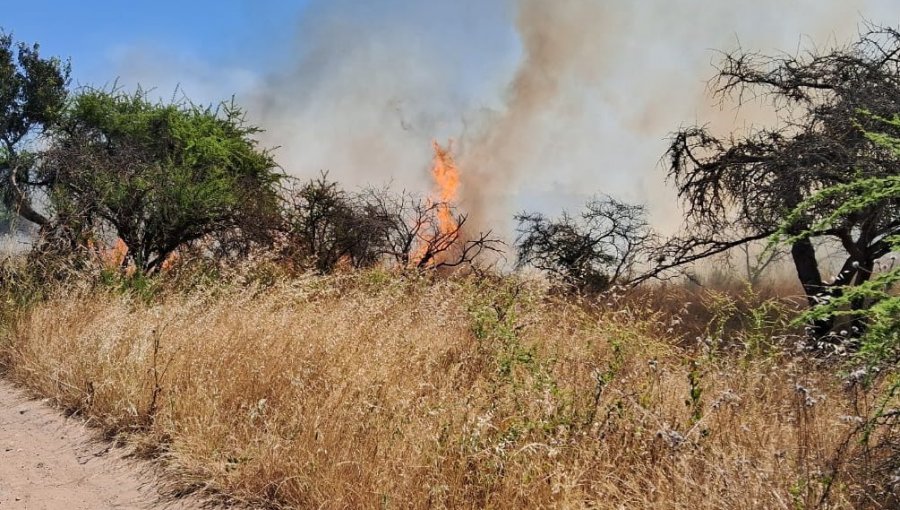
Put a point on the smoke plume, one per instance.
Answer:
(549, 102)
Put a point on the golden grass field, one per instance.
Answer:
(372, 390)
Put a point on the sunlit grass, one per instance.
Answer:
(374, 390)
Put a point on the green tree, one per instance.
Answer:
(162, 175)
(33, 93)
(873, 305)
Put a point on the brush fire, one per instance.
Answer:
(446, 179)
(436, 239)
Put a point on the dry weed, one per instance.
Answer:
(369, 390)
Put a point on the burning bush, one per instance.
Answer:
(326, 226)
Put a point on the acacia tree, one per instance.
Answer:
(874, 302)
(33, 92)
(590, 252)
(161, 175)
(739, 189)
(879, 342)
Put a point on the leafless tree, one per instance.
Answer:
(756, 260)
(590, 252)
(413, 235)
(738, 190)
(325, 225)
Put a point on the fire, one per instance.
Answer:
(446, 177)
(170, 261)
(112, 257)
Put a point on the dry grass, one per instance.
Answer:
(368, 390)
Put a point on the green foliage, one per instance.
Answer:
(33, 90)
(873, 305)
(747, 318)
(33, 93)
(874, 301)
(851, 197)
(694, 402)
(137, 284)
(161, 175)
(764, 323)
(495, 322)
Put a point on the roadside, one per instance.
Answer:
(48, 462)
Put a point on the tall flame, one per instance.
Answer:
(446, 177)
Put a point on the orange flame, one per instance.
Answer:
(113, 257)
(446, 177)
(170, 261)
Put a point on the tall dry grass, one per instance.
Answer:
(372, 391)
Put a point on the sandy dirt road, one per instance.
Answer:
(48, 462)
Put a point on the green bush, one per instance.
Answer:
(161, 175)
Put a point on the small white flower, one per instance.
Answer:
(672, 437)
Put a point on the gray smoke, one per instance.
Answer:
(549, 101)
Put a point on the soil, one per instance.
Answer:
(49, 462)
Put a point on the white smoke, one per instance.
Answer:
(550, 101)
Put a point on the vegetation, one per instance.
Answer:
(370, 390)
(160, 175)
(293, 344)
(740, 190)
(590, 254)
(872, 305)
(33, 93)
(326, 226)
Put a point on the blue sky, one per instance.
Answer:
(96, 33)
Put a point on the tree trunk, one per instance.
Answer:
(804, 254)
(859, 323)
(16, 201)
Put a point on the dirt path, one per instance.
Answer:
(50, 462)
